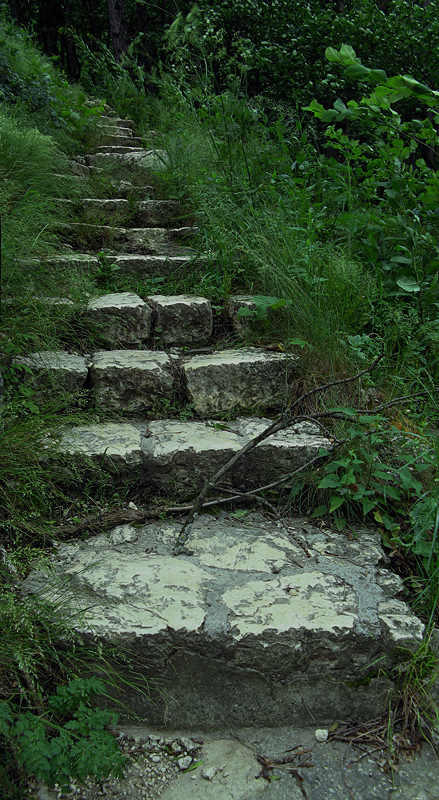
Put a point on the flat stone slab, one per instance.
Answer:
(116, 446)
(248, 628)
(178, 455)
(155, 160)
(147, 241)
(120, 317)
(182, 319)
(53, 369)
(133, 381)
(150, 265)
(183, 454)
(237, 379)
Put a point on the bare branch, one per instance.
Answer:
(283, 421)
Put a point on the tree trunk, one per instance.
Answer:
(118, 27)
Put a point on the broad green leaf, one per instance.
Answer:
(368, 505)
(348, 54)
(318, 512)
(408, 283)
(336, 502)
(329, 482)
(358, 72)
(377, 75)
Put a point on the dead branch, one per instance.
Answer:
(283, 421)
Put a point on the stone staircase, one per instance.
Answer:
(261, 622)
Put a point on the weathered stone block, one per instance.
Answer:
(236, 379)
(247, 626)
(55, 369)
(182, 319)
(113, 446)
(148, 265)
(131, 380)
(120, 318)
(180, 455)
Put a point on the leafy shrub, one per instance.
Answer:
(68, 740)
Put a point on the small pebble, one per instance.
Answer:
(185, 762)
(208, 773)
(321, 734)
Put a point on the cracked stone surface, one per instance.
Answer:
(177, 455)
(237, 379)
(182, 319)
(181, 454)
(131, 380)
(246, 625)
(121, 317)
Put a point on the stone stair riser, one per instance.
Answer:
(135, 381)
(174, 456)
(247, 630)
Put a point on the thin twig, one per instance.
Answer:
(282, 422)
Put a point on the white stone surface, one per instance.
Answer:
(131, 380)
(120, 318)
(182, 319)
(236, 379)
(52, 369)
(117, 443)
(149, 265)
(310, 601)
(399, 626)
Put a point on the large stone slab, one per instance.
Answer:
(145, 266)
(120, 318)
(132, 381)
(182, 454)
(178, 455)
(154, 160)
(248, 629)
(52, 369)
(147, 241)
(236, 379)
(114, 446)
(182, 319)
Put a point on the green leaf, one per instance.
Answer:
(318, 512)
(358, 72)
(336, 502)
(368, 505)
(329, 482)
(343, 410)
(193, 766)
(408, 283)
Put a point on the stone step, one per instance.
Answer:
(144, 241)
(154, 160)
(176, 455)
(148, 213)
(248, 628)
(147, 266)
(115, 130)
(138, 381)
(119, 138)
(119, 149)
(116, 122)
